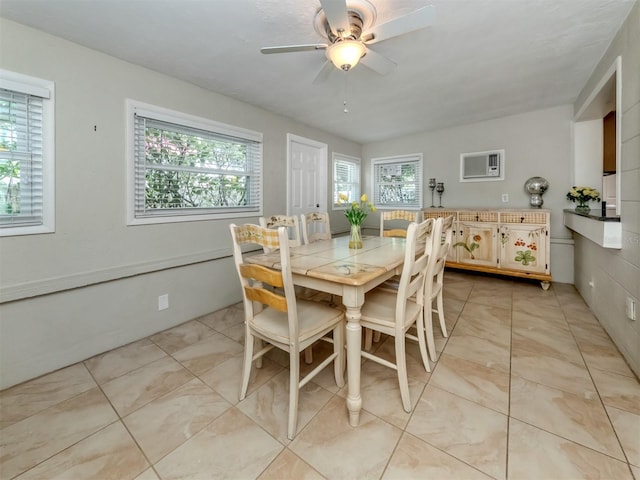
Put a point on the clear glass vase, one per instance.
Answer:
(582, 207)
(355, 240)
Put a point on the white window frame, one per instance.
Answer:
(44, 89)
(414, 158)
(134, 107)
(355, 162)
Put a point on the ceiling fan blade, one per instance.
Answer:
(323, 74)
(337, 15)
(293, 48)
(378, 63)
(421, 18)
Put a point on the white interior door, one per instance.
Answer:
(306, 175)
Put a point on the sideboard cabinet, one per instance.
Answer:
(505, 241)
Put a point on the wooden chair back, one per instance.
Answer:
(315, 226)
(396, 218)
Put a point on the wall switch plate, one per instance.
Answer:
(163, 302)
(505, 198)
(631, 308)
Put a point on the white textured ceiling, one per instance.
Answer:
(482, 59)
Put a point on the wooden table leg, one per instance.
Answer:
(354, 338)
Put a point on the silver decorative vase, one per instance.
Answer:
(536, 186)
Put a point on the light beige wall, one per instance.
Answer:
(112, 274)
(536, 144)
(616, 273)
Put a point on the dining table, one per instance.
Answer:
(331, 266)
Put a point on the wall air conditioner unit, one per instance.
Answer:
(482, 166)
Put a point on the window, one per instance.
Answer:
(186, 168)
(26, 155)
(346, 179)
(397, 181)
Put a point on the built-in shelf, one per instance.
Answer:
(605, 230)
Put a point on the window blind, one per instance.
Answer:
(346, 179)
(398, 182)
(21, 158)
(183, 170)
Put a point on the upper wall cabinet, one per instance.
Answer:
(609, 143)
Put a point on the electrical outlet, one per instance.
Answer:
(505, 198)
(163, 302)
(631, 308)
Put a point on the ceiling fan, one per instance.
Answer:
(348, 26)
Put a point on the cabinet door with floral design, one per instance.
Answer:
(476, 244)
(523, 247)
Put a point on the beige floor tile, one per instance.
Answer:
(414, 458)
(181, 336)
(489, 300)
(485, 321)
(225, 318)
(30, 441)
(135, 389)
(475, 382)
(627, 427)
(535, 340)
(483, 351)
(268, 406)
(578, 313)
(167, 422)
(226, 378)
(109, 453)
(115, 363)
(561, 365)
(148, 474)
(618, 391)
(339, 451)
(553, 372)
(415, 368)
(535, 454)
(531, 303)
(289, 466)
(380, 392)
(207, 353)
(233, 447)
(580, 418)
(470, 432)
(551, 319)
(235, 333)
(31, 397)
(606, 358)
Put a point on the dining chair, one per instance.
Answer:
(394, 216)
(394, 312)
(434, 280)
(290, 222)
(315, 226)
(277, 317)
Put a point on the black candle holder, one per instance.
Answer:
(432, 186)
(440, 190)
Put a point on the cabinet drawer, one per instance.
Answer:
(533, 218)
(479, 216)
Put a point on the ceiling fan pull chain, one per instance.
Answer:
(345, 109)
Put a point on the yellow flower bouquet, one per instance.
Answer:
(356, 213)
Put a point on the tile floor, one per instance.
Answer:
(527, 386)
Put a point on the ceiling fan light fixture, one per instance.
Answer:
(345, 54)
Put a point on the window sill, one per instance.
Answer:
(605, 231)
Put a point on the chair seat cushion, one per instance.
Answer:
(314, 319)
(380, 308)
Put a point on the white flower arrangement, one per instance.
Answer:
(582, 195)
